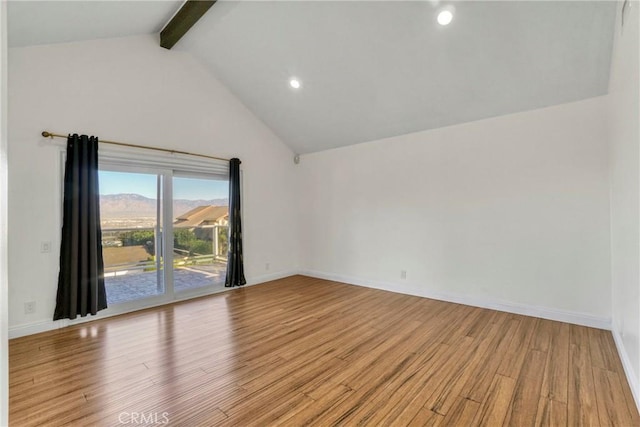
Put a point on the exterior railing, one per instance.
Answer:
(188, 247)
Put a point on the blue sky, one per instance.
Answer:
(145, 185)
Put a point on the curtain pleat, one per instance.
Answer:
(81, 289)
(235, 266)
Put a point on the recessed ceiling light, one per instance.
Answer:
(295, 83)
(445, 17)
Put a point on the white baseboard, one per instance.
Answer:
(506, 306)
(628, 368)
(34, 328)
(50, 325)
(258, 280)
(527, 310)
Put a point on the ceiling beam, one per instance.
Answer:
(187, 16)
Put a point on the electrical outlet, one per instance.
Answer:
(29, 307)
(403, 274)
(45, 247)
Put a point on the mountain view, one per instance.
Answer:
(136, 206)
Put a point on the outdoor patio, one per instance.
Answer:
(137, 284)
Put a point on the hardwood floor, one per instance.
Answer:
(302, 351)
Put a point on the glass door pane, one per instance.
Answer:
(130, 211)
(200, 231)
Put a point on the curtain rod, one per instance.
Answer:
(47, 134)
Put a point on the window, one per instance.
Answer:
(130, 206)
(200, 232)
(164, 228)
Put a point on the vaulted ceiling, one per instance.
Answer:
(46, 22)
(368, 70)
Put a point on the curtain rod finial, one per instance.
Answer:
(46, 134)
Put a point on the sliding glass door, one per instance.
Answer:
(200, 230)
(164, 234)
(131, 219)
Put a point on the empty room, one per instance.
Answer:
(261, 213)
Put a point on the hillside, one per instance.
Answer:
(135, 205)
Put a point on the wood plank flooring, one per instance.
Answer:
(303, 351)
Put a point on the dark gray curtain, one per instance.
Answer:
(81, 279)
(235, 266)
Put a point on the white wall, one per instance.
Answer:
(4, 307)
(509, 212)
(130, 90)
(624, 111)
